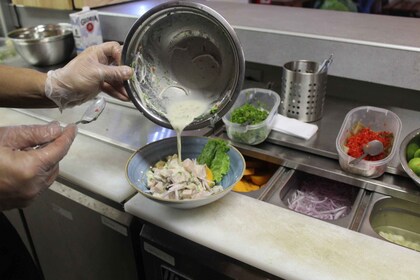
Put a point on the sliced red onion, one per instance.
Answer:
(322, 200)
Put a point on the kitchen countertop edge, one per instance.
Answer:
(284, 243)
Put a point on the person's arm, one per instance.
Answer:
(21, 87)
(24, 171)
(94, 70)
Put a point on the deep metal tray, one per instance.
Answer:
(284, 187)
(261, 193)
(394, 216)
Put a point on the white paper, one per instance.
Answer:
(294, 127)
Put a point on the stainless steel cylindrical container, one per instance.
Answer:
(303, 91)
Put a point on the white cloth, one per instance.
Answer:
(293, 127)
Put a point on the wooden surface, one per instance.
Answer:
(66, 4)
(403, 8)
(52, 4)
(78, 4)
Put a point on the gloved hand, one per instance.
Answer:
(94, 70)
(25, 172)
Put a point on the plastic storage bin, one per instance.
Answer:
(377, 119)
(257, 133)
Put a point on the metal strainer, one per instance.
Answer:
(183, 49)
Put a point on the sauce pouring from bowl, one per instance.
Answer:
(181, 111)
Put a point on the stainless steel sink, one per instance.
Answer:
(394, 220)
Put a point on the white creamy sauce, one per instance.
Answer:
(182, 112)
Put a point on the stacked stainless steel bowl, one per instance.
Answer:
(44, 45)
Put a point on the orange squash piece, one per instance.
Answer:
(209, 174)
(244, 186)
(249, 171)
(260, 179)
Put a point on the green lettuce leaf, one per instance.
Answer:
(220, 165)
(207, 154)
(214, 155)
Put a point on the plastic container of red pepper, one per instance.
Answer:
(364, 124)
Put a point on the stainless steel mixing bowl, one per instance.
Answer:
(413, 136)
(188, 49)
(44, 45)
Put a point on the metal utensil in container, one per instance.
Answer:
(325, 64)
(183, 49)
(372, 148)
(44, 45)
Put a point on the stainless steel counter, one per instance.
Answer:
(335, 110)
(123, 125)
(120, 124)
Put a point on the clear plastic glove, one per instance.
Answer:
(94, 70)
(25, 172)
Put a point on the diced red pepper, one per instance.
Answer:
(356, 142)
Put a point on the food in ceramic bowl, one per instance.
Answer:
(410, 155)
(364, 124)
(142, 162)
